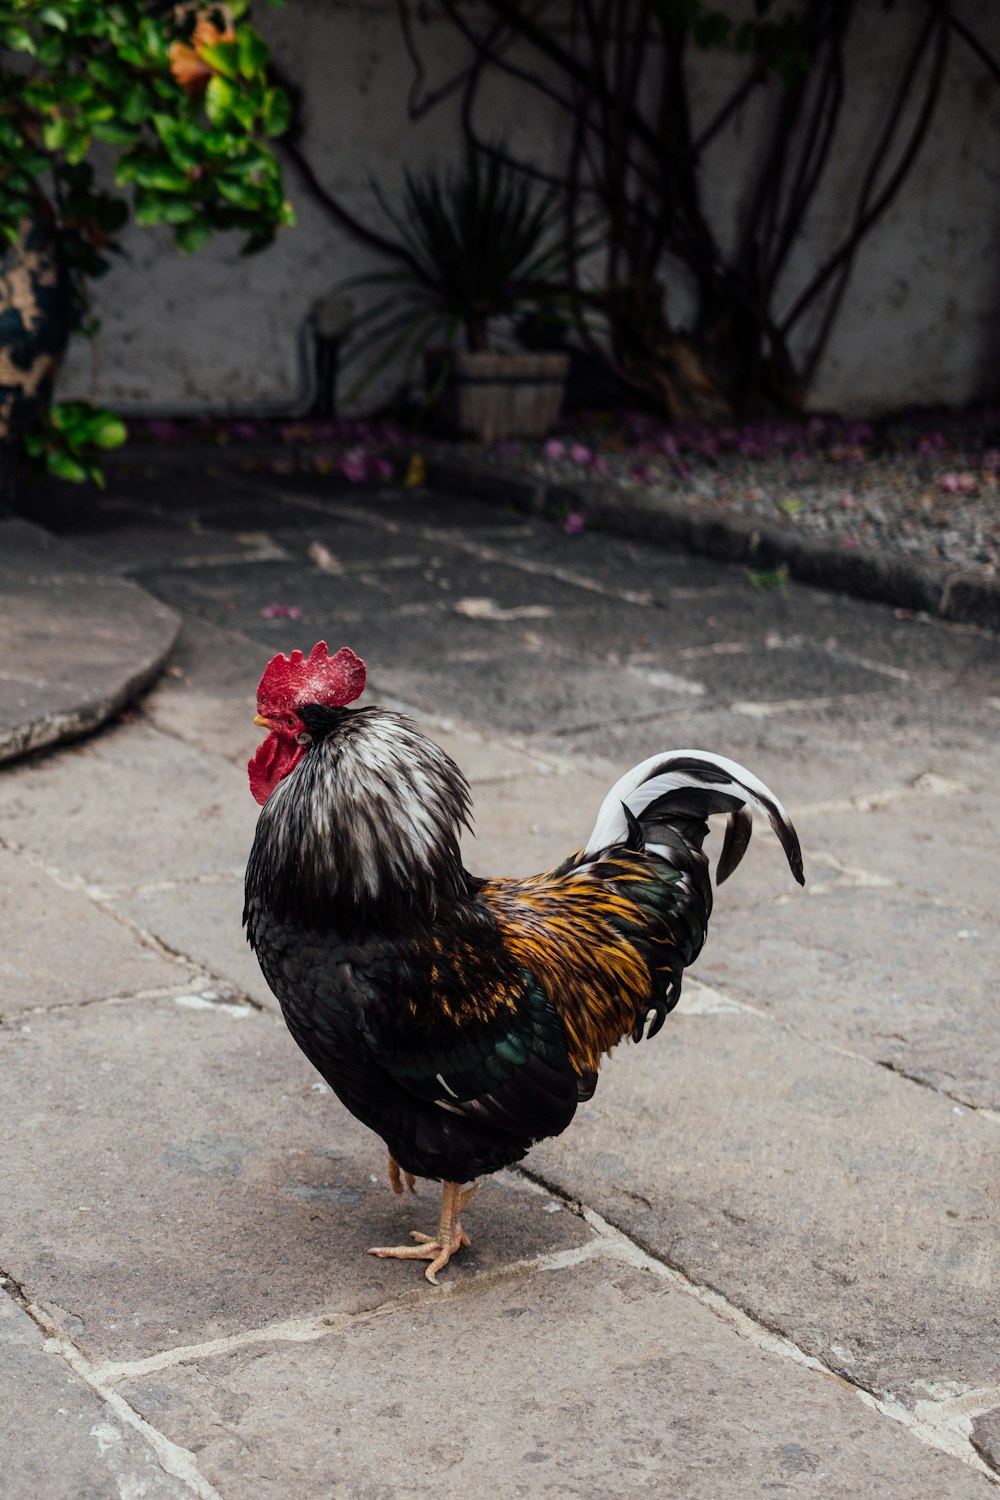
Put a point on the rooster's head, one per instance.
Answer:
(288, 685)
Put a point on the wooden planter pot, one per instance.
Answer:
(505, 395)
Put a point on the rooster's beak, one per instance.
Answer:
(264, 723)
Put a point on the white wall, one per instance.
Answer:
(920, 323)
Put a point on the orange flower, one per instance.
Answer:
(188, 64)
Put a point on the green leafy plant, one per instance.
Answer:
(767, 578)
(69, 439)
(182, 97)
(476, 244)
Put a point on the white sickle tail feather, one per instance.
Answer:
(694, 784)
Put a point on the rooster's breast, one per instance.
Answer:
(335, 994)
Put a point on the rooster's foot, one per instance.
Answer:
(439, 1248)
(397, 1178)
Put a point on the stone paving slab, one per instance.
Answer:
(234, 594)
(206, 696)
(57, 508)
(690, 588)
(175, 1171)
(212, 661)
(598, 1381)
(684, 613)
(351, 608)
(78, 644)
(954, 733)
(179, 497)
(26, 549)
(908, 982)
(483, 760)
(802, 671)
(508, 691)
(173, 1176)
(949, 736)
(206, 699)
(913, 795)
(434, 640)
(154, 542)
(203, 920)
(354, 547)
(195, 817)
(845, 1206)
(391, 638)
(642, 657)
(986, 1437)
(800, 767)
(60, 949)
(219, 726)
(623, 563)
(529, 824)
(400, 507)
(947, 852)
(60, 1438)
(251, 509)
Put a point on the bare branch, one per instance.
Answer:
(866, 213)
(421, 102)
(336, 210)
(813, 159)
(818, 134)
(972, 41)
(489, 54)
(754, 79)
(544, 43)
(619, 73)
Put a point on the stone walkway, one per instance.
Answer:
(763, 1259)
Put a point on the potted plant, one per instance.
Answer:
(181, 96)
(478, 249)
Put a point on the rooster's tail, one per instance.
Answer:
(675, 792)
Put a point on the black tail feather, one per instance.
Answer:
(680, 790)
(739, 827)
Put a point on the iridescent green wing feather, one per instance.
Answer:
(475, 1035)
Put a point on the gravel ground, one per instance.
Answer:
(925, 494)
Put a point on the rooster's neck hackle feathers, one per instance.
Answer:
(366, 829)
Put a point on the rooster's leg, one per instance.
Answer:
(397, 1178)
(439, 1248)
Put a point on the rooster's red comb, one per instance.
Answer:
(290, 681)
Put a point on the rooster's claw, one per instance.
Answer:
(439, 1248)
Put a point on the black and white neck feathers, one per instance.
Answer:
(365, 829)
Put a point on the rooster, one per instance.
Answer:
(464, 1019)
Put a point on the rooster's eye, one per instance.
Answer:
(291, 720)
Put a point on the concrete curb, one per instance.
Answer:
(964, 597)
(79, 643)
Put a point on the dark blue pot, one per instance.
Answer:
(34, 328)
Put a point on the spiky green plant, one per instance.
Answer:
(477, 243)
